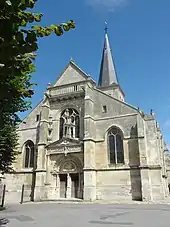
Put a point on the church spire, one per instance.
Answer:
(107, 70)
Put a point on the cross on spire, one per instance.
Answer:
(108, 74)
(106, 28)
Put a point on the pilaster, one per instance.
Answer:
(43, 134)
(143, 155)
(89, 185)
(89, 148)
(41, 177)
(89, 171)
(54, 189)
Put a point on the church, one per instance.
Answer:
(84, 142)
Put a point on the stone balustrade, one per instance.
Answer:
(65, 90)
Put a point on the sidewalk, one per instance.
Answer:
(79, 201)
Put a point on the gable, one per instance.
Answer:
(30, 120)
(72, 74)
(114, 106)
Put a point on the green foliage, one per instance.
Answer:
(19, 32)
(8, 142)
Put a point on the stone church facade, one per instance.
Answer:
(84, 141)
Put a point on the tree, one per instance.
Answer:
(19, 32)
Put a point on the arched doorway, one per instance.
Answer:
(70, 178)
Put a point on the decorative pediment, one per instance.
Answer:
(65, 145)
(65, 142)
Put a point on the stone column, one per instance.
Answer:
(68, 193)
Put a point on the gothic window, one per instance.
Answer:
(29, 154)
(69, 124)
(115, 146)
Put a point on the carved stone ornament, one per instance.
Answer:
(65, 146)
(65, 150)
(68, 166)
(54, 172)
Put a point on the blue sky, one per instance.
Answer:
(139, 35)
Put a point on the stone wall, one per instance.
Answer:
(113, 185)
(113, 91)
(120, 182)
(118, 185)
(157, 185)
(167, 163)
(14, 184)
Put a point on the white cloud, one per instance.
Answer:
(109, 5)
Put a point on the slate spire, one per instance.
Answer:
(107, 69)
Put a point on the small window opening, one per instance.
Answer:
(37, 117)
(49, 132)
(104, 109)
(75, 88)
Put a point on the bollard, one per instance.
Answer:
(22, 194)
(3, 196)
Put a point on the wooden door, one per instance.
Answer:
(75, 186)
(63, 185)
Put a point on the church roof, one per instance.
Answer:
(107, 70)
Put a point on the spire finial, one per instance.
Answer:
(106, 28)
(108, 74)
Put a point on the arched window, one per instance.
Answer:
(69, 124)
(115, 146)
(29, 154)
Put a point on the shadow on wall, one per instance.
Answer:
(3, 221)
(134, 163)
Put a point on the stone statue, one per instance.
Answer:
(69, 123)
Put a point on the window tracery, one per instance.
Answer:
(115, 146)
(29, 154)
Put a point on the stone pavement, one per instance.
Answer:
(92, 215)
